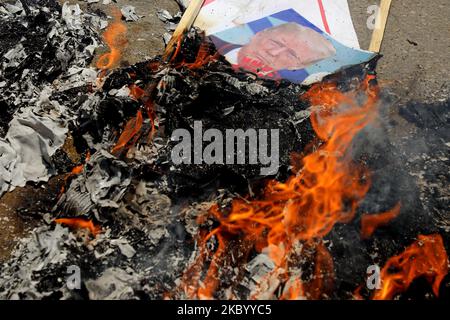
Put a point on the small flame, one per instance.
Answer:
(294, 290)
(370, 222)
(114, 36)
(80, 223)
(130, 133)
(203, 57)
(138, 93)
(79, 169)
(327, 190)
(74, 172)
(425, 257)
(133, 129)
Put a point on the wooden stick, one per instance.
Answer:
(186, 22)
(378, 33)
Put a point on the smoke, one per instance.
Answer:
(406, 151)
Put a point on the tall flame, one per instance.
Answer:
(114, 36)
(327, 190)
(426, 257)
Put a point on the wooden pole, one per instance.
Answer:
(378, 33)
(186, 22)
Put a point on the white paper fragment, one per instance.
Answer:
(71, 14)
(122, 92)
(327, 29)
(129, 13)
(13, 8)
(164, 15)
(33, 138)
(166, 37)
(125, 248)
(14, 57)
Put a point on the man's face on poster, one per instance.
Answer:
(286, 47)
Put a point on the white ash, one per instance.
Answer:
(76, 77)
(43, 250)
(38, 125)
(10, 9)
(112, 266)
(114, 284)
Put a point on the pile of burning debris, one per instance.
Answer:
(132, 224)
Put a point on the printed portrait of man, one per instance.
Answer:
(285, 45)
(289, 46)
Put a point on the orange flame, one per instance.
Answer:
(294, 291)
(322, 280)
(74, 172)
(426, 257)
(369, 223)
(138, 93)
(114, 36)
(327, 190)
(130, 133)
(79, 223)
(203, 56)
(79, 169)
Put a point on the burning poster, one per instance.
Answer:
(301, 42)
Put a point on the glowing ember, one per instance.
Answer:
(370, 222)
(326, 190)
(114, 36)
(424, 258)
(79, 223)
